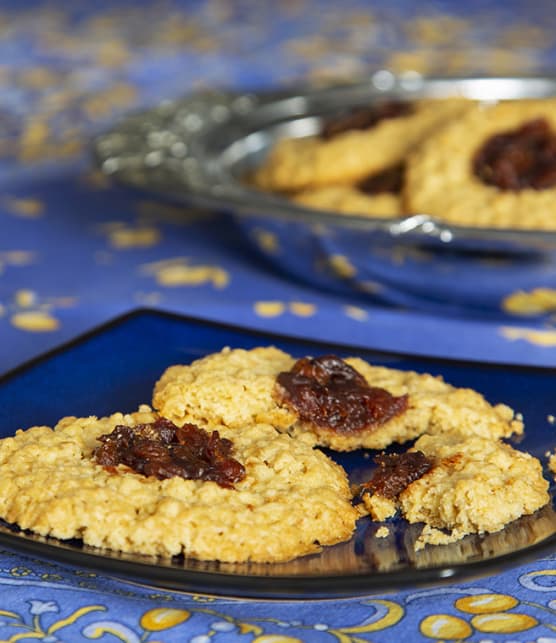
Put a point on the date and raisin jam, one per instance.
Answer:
(328, 392)
(364, 117)
(519, 159)
(395, 472)
(164, 450)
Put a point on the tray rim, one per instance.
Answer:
(240, 200)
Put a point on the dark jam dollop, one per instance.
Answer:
(522, 158)
(397, 471)
(364, 117)
(389, 180)
(328, 392)
(164, 450)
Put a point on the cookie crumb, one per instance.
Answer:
(552, 462)
(433, 536)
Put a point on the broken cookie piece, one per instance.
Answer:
(474, 485)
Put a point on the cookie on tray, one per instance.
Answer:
(342, 404)
(345, 199)
(494, 167)
(456, 486)
(375, 196)
(273, 498)
(354, 147)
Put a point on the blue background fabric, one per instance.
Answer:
(76, 251)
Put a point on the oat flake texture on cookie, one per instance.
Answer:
(292, 501)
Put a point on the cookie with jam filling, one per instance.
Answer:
(495, 167)
(138, 483)
(353, 147)
(344, 404)
(376, 196)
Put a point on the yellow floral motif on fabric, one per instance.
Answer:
(276, 308)
(29, 312)
(425, 61)
(503, 623)
(438, 30)
(490, 614)
(534, 302)
(122, 236)
(28, 208)
(266, 241)
(25, 298)
(104, 103)
(35, 321)
(37, 142)
(39, 77)
(179, 272)
(269, 308)
(533, 336)
(163, 618)
(445, 626)
(36, 630)
(354, 312)
(523, 36)
(301, 309)
(342, 266)
(486, 603)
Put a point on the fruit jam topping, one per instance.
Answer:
(164, 450)
(397, 471)
(519, 159)
(328, 392)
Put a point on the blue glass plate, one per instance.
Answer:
(113, 369)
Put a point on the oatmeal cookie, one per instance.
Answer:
(473, 485)
(291, 501)
(347, 199)
(494, 167)
(350, 155)
(236, 387)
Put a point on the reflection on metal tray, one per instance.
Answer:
(197, 150)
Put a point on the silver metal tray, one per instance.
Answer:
(196, 150)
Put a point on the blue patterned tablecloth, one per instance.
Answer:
(76, 251)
